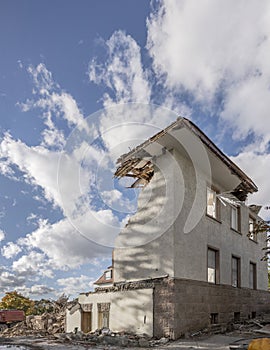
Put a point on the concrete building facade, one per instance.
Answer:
(190, 257)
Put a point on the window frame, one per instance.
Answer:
(253, 281)
(238, 271)
(217, 265)
(238, 218)
(103, 313)
(251, 234)
(108, 275)
(213, 189)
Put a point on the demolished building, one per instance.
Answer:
(190, 257)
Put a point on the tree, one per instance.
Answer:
(42, 306)
(14, 300)
(264, 227)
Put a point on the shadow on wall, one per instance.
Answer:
(143, 250)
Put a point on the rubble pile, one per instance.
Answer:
(50, 322)
(106, 337)
(259, 325)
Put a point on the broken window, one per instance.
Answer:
(212, 265)
(252, 234)
(212, 204)
(252, 276)
(235, 218)
(103, 315)
(235, 271)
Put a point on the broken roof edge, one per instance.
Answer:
(184, 122)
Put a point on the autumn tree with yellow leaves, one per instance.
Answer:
(14, 300)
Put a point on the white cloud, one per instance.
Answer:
(75, 285)
(10, 281)
(115, 200)
(32, 264)
(247, 106)
(10, 250)
(54, 103)
(2, 235)
(40, 167)
(5, 168)
(42, 78)
(35, 290)
(208, 48)
(122, 72)
(38, 164)
(66, 104)
(64, 246)
(257, 167)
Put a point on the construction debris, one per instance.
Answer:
(48, 323)
(138, 168)
(51, 326)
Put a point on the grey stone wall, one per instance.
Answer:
(183, 306)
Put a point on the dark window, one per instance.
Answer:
(252, 276)
(212, 266)
(236, 317)
(214, 318)
(235, 272)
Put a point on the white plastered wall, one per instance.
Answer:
(131, 311)
(73, 320)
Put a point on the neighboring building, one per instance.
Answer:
(189, 258)
(106, 280)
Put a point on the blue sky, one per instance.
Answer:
(69, 76)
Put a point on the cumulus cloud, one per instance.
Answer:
(64, 246)
(9, 281)
(209, 49)
(36, 290)
(10, 250)
(75, 285)
(32, 264)
(38, 164)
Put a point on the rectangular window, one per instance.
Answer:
(103, 315)
(214, 318)
(235, 272)
(108, 274)
(253, 314)
(212, 204)
(235, 218)
(252, 276)
(252, 234)
(236, 317)
(212, 266)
